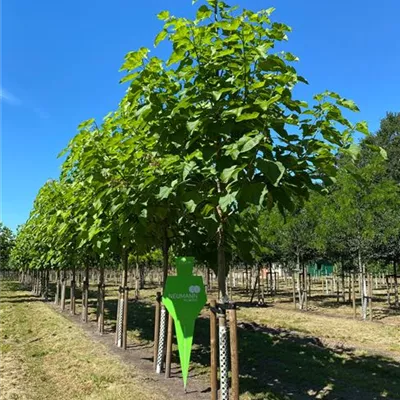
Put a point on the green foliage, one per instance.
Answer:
(201, 144)
(7, 241)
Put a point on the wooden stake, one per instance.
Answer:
(353, 281)
(72, 294)
(213, 350)
(118, 313)
(125, 320)
(370, 296)
(234, 354)
(169, 346)
(294, 290)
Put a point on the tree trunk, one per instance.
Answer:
(165, 251)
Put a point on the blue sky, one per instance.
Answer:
(60, 62)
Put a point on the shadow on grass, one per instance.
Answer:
(279, 364)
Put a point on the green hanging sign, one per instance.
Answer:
(184, 296)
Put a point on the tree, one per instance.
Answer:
(222, 105)
(7, 241)
(388, 139)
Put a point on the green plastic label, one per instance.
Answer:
(184, 297)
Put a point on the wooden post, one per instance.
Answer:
(57, 294)
(370, 296)
(337, 288)
(388, 289)
(72, 294)
(169, 346)
(85, 296)
(117, 325)
(156, 328)
(63, 291)
(100, 300)
(294, 291)
(125, 320)
(213, 350)
(234, 354)
(353, 281)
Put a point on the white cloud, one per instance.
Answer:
(9, 98)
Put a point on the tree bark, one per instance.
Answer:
(165, 251)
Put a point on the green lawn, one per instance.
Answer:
(286, 356)
(44, 356)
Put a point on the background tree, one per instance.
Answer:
(7, 241)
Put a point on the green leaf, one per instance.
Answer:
(349, 104)
(283, 199)
(383, 153)
(231, 173)
(226, 201)
(134, 59)
(165, 191)
(190, 205)
(249, 142)
(163, 15)
(207, 209)
(362, 127)
(203, 12)
(354, 150)
(192, 125)
(188, 167)
(272, 170)
(161, 36)
(247, 116)
(264, 104)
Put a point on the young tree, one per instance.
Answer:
(222, 103)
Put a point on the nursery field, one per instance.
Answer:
(283, 353)
(220, 233)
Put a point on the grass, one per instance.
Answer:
(291, 354)
(44, 356)
(288, 355)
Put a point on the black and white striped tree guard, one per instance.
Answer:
(161, 340)
(120, 315)
(223, 356)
